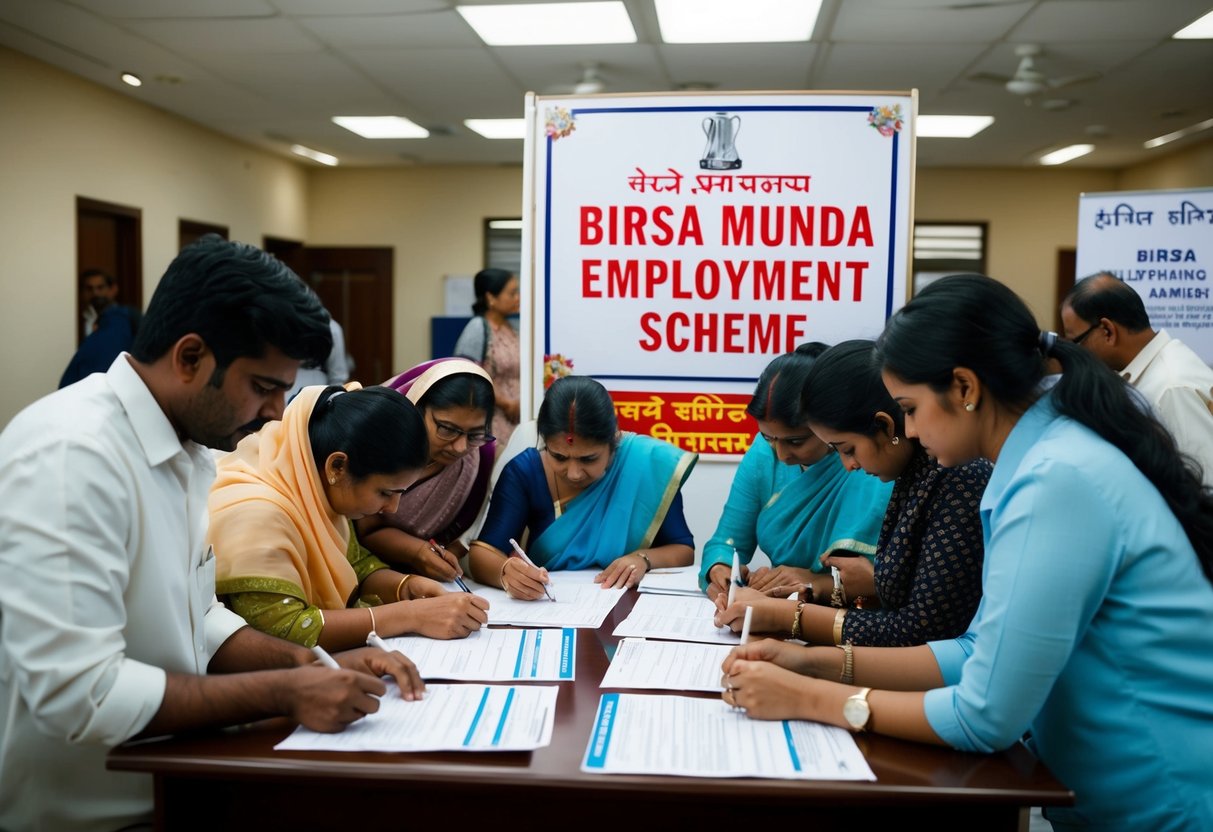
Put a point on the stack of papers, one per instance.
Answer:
(680, 581)
(494, 655)
(666, 665)
(651, 734)
(675, 618)
(447, 718)
(579, 603)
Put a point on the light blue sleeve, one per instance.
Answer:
(739, 518)
(1051, 552)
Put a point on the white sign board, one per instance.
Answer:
(1161, 244)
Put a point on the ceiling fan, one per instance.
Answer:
(1028, 79)
(591, 82)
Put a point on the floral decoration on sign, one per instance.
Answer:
(555, 366)
(559, 123)
(887, 120)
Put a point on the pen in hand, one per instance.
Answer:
(734, 577)
(438, 549)
(325, 658)
(745, 624)
(526, 559)
(373, 640)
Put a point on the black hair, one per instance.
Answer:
(580, 406)
(1104, 295)
(239, 300)
(844, 391)
(973, 321)
(377, 428)
(488, 282)
(461, 390)
(109, 279)
(777, 396)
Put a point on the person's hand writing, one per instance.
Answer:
(522, 581)
(376, 662)
(625, 572)
(856, 573)
(771, 577)
(718, 579)
(441, 565)
(766, 691)
(327, 700)
(452, 615)
(766, 618)
(793, 657)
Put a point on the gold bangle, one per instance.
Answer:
(400, 586)
(796, 620)
(848, 665)
(648, 564)
(320, 612)
(501, 577)
(838, 617)
(372, 612)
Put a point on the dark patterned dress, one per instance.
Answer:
(928, 558)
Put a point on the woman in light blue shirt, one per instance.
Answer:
(1094, 636)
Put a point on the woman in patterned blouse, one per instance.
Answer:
(925, 583)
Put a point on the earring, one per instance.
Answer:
(970, 407)
(896, 439)
(332, 480)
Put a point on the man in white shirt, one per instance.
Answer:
(1109, 319)
(109, 627)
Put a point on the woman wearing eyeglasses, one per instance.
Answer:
(590, 497)
(455, 398)
(926, 582)
(791, 496)
(281, 524)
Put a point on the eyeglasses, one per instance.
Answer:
(1078, 339)
(449, 433)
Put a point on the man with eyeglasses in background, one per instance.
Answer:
(1109, 318)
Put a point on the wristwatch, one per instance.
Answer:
(856, 710)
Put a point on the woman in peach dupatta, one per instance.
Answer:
(287, 559)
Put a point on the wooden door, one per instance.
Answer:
(1067, 261)
(108, 238)
(188, 231)
(355, 285)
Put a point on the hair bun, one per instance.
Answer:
(1046, 343)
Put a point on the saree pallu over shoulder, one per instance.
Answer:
(621, 512)
(824, 509)
(271, 524)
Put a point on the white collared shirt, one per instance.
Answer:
(1179, 386)
(106, 584)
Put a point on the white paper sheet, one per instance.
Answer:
(680, 581)
(676, 618)
(491, 655)
(579, 603)
(448, 718)
(681, 735)
(666, 665)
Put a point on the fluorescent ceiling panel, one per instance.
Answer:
(951, 127)
(382, 127)
(730, 21)
(1060, 157)
(314, 155)
(1199, 30)
(497, 128)
(549, 24)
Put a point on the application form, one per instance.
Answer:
(447, 718)
(493, 655)
(666, 665)
(675, 618)
(579, 603)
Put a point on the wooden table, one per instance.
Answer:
(235, 780)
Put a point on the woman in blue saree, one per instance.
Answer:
(791, 496)
(589, 497)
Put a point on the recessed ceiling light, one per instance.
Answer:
(498, 128)
(314, 155)
(382, 127)
(1198, 30)
(1065, 154)
(1178, 134)
(546, 24)
(132, 79)
(728, 21)
(951, 127)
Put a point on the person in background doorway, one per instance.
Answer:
(491, 340)
(110, 328)
(1108, 318)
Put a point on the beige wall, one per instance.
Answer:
(434, 219)
(61, 137)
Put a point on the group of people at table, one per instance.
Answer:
(1021, 552)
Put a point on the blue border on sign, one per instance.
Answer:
(818, 108)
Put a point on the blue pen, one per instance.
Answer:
(435, 546)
